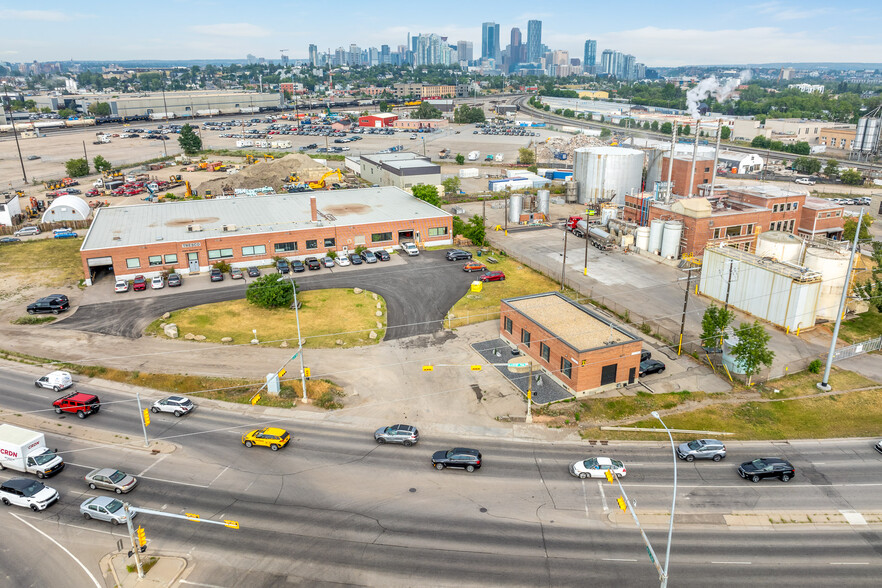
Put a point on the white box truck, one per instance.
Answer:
(26, 451)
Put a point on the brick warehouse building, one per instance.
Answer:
(190, 236)
(737, 214)
(581, 350)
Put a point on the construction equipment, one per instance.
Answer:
(189, 191)
(53, 184)
(249, 159)
(175, 178)
(560, 155)
(321, 183)
(293, 178)
(112, 173)
(268, 157)
(444, 154)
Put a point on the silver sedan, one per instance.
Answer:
(104, 508)
(111, 479)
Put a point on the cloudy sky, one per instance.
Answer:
(680, 32)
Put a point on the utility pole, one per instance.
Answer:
(824, 384)
(685, 304)
(563, 266)
(585, 271)
(8, 108)
(86, 157)
(136, 550)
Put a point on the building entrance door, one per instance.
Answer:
(193, 259)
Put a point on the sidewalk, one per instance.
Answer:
(165, 572)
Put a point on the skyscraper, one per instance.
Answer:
(490, 41)
(590, 56)
(313, 55)
(465, 50)
(515, 50)
(534, 40)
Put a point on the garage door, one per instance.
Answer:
(99, 261)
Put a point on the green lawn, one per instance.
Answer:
(862, 327)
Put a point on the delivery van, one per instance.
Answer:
(26, 451)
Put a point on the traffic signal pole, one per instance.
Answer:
(135, 548)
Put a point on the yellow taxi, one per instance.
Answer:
(270, 437)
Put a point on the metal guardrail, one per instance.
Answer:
(858, 348)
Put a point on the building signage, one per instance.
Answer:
(191, 245)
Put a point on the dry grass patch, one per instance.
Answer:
(804, 384)
(47, 262)
(326, 316)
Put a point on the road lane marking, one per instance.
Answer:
(200, 584)
(218, 476)
(174, 482)
(734, 563)
(585, 497)
(853, 517)
(602, 496)
(62, 547)
(617, 559)
(849, 563)
(81, 528)
(148, 468)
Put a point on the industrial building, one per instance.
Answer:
(401, 169)
(189, 236)
(167, 104)
(414, 124)
(10, 209)
(740, 163)
(66, 208)
(578, 348)
(383, 119)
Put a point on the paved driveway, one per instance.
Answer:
(418, 292)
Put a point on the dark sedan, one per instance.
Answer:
(382, 255)
(766, 467)
(216, 275)
(458, 457)
(355, 259)
(10, 240)
(297, 266)
(651, 366)
(458, 254)
(253, 272)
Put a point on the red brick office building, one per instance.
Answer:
(579, 349)
(192, 235)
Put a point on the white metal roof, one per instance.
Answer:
(68, 200)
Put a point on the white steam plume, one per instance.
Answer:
(712, 87)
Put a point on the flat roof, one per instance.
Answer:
(141, 224)
(568, 321)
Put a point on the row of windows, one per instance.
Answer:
(566, 366)
(733, 231)
(784, 207)
(786, 226)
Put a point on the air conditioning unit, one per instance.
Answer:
(229, 228)
(194, 228)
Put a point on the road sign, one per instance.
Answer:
(428, 368)
(255, 400)
(476, 368)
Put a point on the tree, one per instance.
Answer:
(831, 170)
(66, 113)
(850, 226)
(807, 165)
(270, 291)
(465, 114)
(605, 133)
(752, 350)
(654, 126)
(451, 185)
(189, 141)
(871, 291)
(725, 133)
(852, 177)
(475, 231)
(667, 128)
(100, 109)
(427, 194)
(460, 159)
(384, 106)
(714, 323)
(77, 168)
(686, 130)
(426, 111)
(101, 164)
(526, 156)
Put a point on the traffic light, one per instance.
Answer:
(306, 372)
(146, 417)
(622, 504)
(142, 537)
(609, 476)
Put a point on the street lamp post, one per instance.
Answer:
(664, 577)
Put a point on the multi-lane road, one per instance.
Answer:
(336, 508)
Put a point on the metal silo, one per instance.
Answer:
(643, 238)
(779, 245)
(656, 231)
(833, 266)
(544, 197)
(607, 173)
(515, 207)
(670, 247)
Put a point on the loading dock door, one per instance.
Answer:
(405, 236)
(99, 261)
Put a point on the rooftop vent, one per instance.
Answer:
(230, 228)
(194, 228)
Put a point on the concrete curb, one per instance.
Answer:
(167, 570)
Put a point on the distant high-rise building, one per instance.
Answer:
(313, 55)
(629, 67)
(354, 55)
(385, 55)
(251, 59)
(465, 50)
(432, 50)
(516, 50)
(373, 56)
(590, 55)
(490, 41)
(608, 62)
(534, 40)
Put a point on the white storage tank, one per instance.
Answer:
(832, 265)
(607, 213)
(779, 245)
(670, 247)
(643, 238)
(607, 173)
(515, 206)
(656, 232)
(544, 200)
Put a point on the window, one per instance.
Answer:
(566, 368)
(171, 258)
(717, 233)
(795, 205)
(774, 208)
(133, 262)
(437, 231)
(733, 231)
(283, 247)
(508, 325)
(378, 237)
(525, 337)
(330, 242)
(219, 253)
(154, 260)
(707, 169)
(312, 243)
(608, 374)
(358, 239)
(544, 351)
(254, 250)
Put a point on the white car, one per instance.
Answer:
(806, 181)
(342, 260)
(157, 282)
(410, 248)
(105, 508)
(177, 405)
(121, 286)
(596, 467)
(878, 446)
(28, 493)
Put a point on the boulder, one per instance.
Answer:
(226, 339)
(357, 290)
(379, 313)
(199, 338)
(379, 325)
(379, 305)
(189, 336)
(165, 316)
(339, 342)
(373, 335)
(171, 331)
(374, 294)
(284, 344)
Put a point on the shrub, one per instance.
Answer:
(815, 366)
(223, 266)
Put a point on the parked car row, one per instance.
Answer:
(139, 283)
(862, 201)
(284, 266)
(474, 266)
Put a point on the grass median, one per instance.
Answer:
(328, 318)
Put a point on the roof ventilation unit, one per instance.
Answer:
(229, 228)
(194, 228)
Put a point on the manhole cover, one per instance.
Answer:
(412, 490)
(483, 509)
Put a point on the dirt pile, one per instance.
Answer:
(545, 151)
(269, 173)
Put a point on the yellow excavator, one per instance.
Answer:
(321, 183)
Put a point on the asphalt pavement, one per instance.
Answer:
(418, 291)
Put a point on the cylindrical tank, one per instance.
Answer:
(607, 173)
(656, 231)
(779, 245)
(544, 196)
(643, 238)
(670, 247)
(832, 265)
(572, 190)
(515, 206)
(606, 213)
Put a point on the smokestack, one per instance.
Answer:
(716, 158)
(694, 156)
(313, 209)
(671, 162)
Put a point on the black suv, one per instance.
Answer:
(53, 303)
(766, 467)
(458, 254)
(458, 457)
(282, 266)
(382, 255)
(297, 266)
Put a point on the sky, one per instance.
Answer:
(657, 33)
